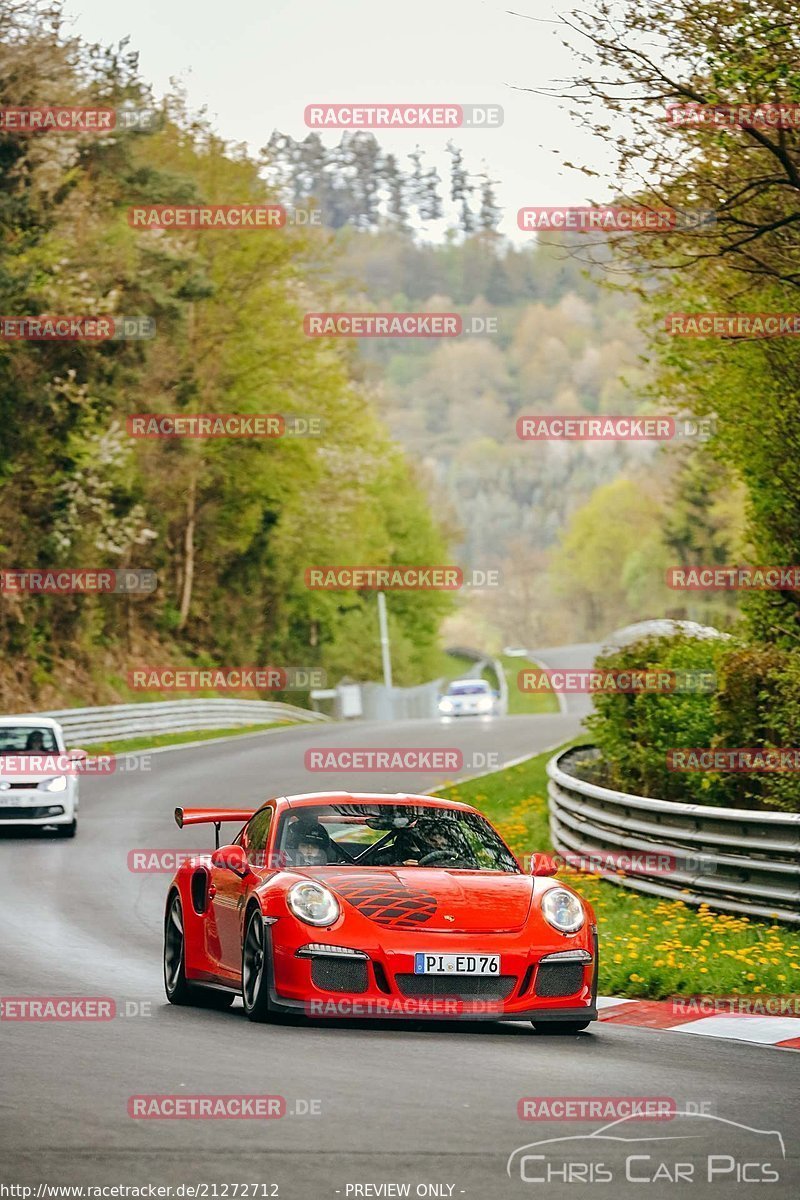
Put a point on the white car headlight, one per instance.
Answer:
(486, 702)
(313, 903)
(59, 784)
(563, 910)
(445, 705)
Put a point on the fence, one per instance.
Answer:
(732, 859)
(118, 722)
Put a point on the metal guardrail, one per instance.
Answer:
(119, 722)
(732, 859)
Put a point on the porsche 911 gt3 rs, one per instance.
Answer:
(340, 904)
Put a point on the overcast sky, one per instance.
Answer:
(256, 64)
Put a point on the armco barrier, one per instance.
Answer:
(749, 861)
(118, 722)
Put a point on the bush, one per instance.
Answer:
(756, 704)
(634, 731)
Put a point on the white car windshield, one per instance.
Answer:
(27, 739)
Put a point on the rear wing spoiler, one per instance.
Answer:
(212, 816)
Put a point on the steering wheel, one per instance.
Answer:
(439, 856)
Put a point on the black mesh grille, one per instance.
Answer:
(559, 978)
(339, 974)
(21, 812)
(462, 987)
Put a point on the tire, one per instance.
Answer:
(67, 831)
(560, 1027)
(175, 983)
(255, 969)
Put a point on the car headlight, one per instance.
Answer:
(486, 702)
(563, 910)
(59, 784)
(313, 903)
(445, 705)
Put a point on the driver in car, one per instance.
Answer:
(313, 847)
(413, 846)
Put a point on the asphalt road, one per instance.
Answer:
(579, 656)
(429, 1105)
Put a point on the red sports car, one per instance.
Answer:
(340, 904)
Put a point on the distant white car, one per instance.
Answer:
(38, 779)
(468, 698)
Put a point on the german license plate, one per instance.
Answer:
(456, 964)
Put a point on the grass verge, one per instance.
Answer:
(649, 948)
(150, 741)
(525, 702)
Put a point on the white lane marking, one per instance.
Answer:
(765, 1030)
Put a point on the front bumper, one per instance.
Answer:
(36, 808)
(386, 985)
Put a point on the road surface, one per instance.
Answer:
(430, 1106)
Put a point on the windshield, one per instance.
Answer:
(476, 687)
(27, 739)
(390, 835)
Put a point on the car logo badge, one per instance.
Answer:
(449, 918)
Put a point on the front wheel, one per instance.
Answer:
(255, 969)
(560, 1027)
(178, 990)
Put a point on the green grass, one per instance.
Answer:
(525, 702)
(648, 947)
(452, 666)
(150, 741)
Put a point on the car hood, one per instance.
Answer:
(431, 898)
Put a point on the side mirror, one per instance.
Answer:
(543, 864)
(231, 858)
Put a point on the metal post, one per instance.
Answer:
(384, 628)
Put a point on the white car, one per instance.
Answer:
(38, 777)
(468, 698)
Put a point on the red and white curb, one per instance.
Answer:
(783, 1033)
